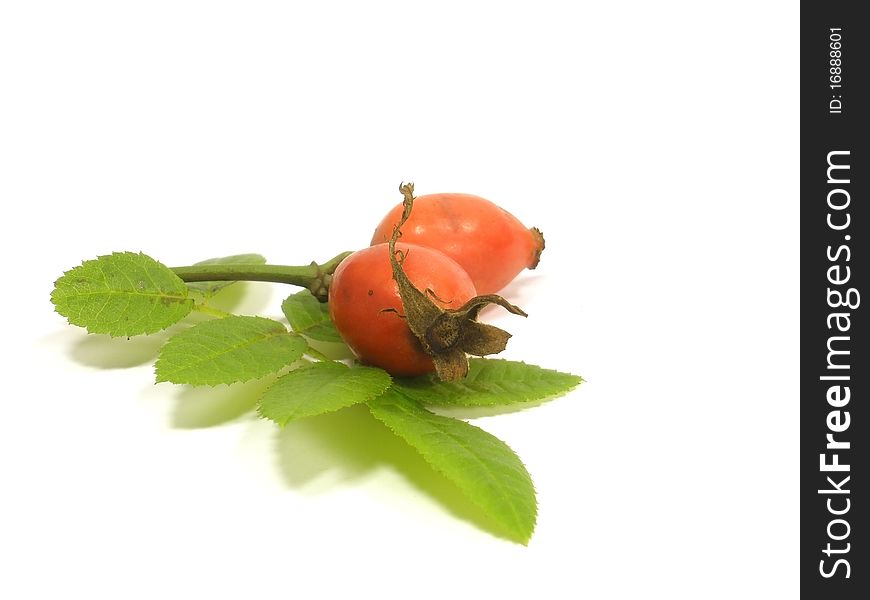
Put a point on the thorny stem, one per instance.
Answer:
(314, 277)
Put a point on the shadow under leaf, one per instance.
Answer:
(320, 452)
(243, 297)
(331, 350)
(106, 352)
(205, 406)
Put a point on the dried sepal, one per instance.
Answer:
(447, 335)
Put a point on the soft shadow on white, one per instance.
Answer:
(319, 454)
(205, 406)
(105, 352)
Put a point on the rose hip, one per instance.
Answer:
(488, 242)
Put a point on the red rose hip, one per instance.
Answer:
(488, 242)
(363, 287)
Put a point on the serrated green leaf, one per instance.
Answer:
(491, 382)
(228, 350)
(210, 288)
(480, 464)
(321, 388)
(121, 294)
(310, 317)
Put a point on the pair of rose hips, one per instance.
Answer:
(453, 248)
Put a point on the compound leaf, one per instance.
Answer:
(320, 388)
(228, 350)
(121, 294)
(481, 465)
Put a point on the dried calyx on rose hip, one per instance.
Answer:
(491, 244)
(363, 288)
(446, 335)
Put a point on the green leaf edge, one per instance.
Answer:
(260, 376)
(331, 410)
(210, 289)
(333, 336)
(518, 403)
(185, 298)
(525, 536)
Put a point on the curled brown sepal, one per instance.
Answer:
(446, 335)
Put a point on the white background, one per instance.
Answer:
(656, 144)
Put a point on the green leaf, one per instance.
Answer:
(480, 464)
(210, 288)
(491, 382)
(310, 317)
(321, 388)
(121, 294)
(228, 350)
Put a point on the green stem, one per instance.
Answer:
(314, 277)
(214, 312)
